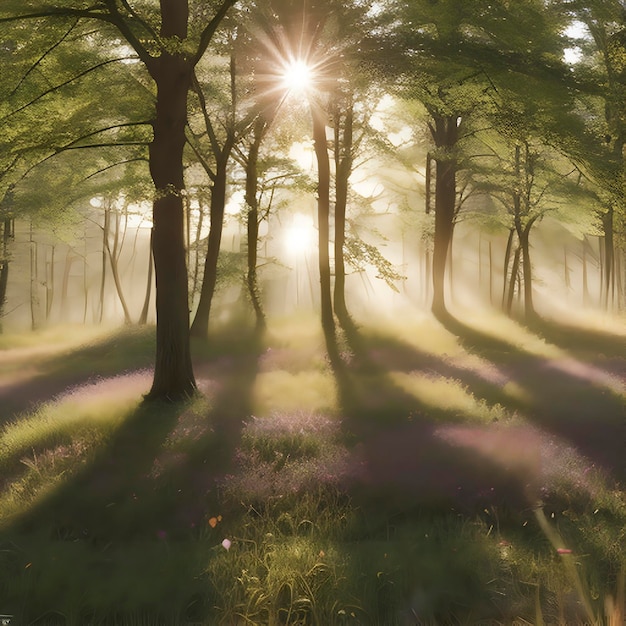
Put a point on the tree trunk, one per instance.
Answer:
(602, 269)
(34, 280)
(523, 235)
(490, 274)
(67, 268)
(143, 317)
(105, 238)
(428, 183)
(50, 281)
(4, 265)
(427, 274)
(113, 255)
(445, 133)
(529, 308)
(173, 372)
(585, 275)
(514, 273)
(85, 272)
(323, 216)
(200, 325)
(480, 264)
(196, 257)
(445, 197)
(507, 260)
(252, 222)
(619, 281)
(343, 168)
(608, 283)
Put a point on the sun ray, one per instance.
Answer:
(297, 76)
(292, 65)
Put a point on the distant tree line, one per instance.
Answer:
(502, 112)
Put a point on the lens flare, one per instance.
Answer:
(297, 76)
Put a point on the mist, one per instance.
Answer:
(312, 313)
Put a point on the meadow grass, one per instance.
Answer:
(117, 512)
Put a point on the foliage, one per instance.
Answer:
(359, 254)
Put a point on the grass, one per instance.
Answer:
(438, 479)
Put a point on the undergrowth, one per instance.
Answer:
(293, 531)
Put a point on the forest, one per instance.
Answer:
(312, 312)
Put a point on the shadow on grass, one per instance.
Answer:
(411, 488)
(405, 463)
(566, 397)
(413, 479)
(126, 515)
(577, 339)
(126, 349)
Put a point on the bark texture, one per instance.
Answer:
(172, 73)
(445, 133)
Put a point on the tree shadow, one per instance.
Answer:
(121, 351)
(152, 485)
(566, 396)
(412, 474)
(577, 339)
(392, 353)
(403, 460)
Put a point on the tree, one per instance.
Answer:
(161, 41)
(450, 55)
(600, 150)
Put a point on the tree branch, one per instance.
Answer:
(205, 115)
(202, 160)
(209, 30)
(113, 17)
(108, 167)
(141, 21)
(63, 84)
(118, 20)
(43, 56)
(101, 130)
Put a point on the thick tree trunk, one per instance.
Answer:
(173, 373)
(323, 217)
(445, 199)
(200, 325)
(445, 134)
(343, 160)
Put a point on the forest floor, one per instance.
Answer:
(463, 471)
